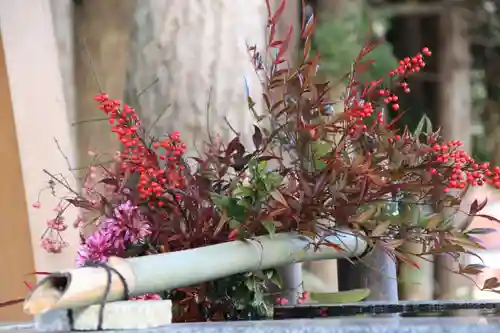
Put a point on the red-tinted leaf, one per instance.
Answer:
(241, 162)
(305, 187)
(396, 119)
(278, 12)
(223, 171)
(233, 146)
(80, 203)
(310, 25)
(474, 207)
(482, 205)
(377, 180)
(276, 43)
(315, 61)
(286, 42)
(320, 183)
(489, 217)
(257, 137)
(279, 197)
(277, 105)
(267, 100)
(110, 181)
(491, 283)
(307, 49)
(277, 212)
(266, 158)
(279, 61)
(472, 269)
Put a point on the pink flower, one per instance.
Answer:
(98, 247)
(128, 225)
(147, 297)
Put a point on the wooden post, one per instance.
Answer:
(326, 272)
(15, 240)
(416, 284)
(40, 115)
(291, 273)
(455, 120)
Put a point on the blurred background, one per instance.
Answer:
(184, 65)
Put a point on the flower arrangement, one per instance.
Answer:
(318, 167)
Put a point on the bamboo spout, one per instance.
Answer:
(49, 291)
(155, 273)
(78, 287)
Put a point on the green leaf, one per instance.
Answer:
(276, 280)
(429, 125)
(235, 210)
(233, 224)
(262, 166)
(419, 128)
(319, 165)
(251, 284)
(481, 231)
(349, 296)
(321, 148)
(270, 226)
(219, 200)
(243, 191)
(229, 205)
(273, 179)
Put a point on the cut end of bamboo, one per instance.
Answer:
(80, 287)
(47, 293)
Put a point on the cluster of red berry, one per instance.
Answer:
(464, 170)
(359, 110)
(137, 156)
(303, 297)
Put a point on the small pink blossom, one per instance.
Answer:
(147, 297)
(57, 223)
(52, 245)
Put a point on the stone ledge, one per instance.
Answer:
(337, 325)
(116, 316)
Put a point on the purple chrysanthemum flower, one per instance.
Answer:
(97, 248)
(127, 226)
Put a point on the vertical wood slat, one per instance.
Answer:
(16, 257)
(40, 115)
